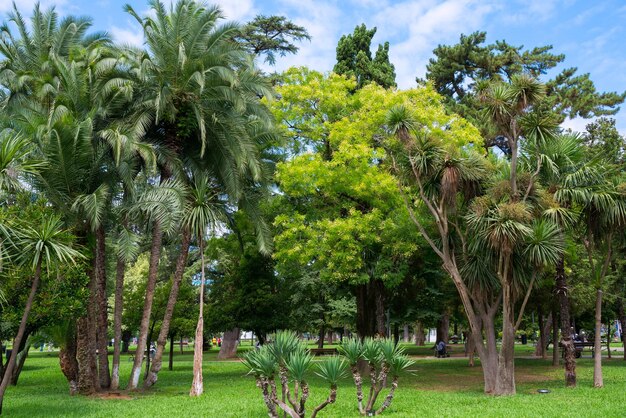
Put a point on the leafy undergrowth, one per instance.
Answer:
(432, 387)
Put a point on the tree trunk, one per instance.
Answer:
(405, 336)
(419, 333)
(396, 333)
(597, 344)
(21, 359)
(86, 357)
(505, 381)
(117, 322)
(229, 344)
(8, 372)
(320, 339)
(197, 386)
(379, 294)
(569, 350)
(171, 359)
(488, 351)
(102, 339)
(68, 363)
(545, 325)
(181, 263)
(155, 254)
(443, 327)
(555, 338)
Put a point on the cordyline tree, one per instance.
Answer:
(487, 213)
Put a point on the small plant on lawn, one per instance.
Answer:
(288, 359)
(384, 359)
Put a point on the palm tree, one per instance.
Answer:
(203, 212)
(197, 95)
(567, 176)
(39, 248)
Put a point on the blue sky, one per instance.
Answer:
(589, 33)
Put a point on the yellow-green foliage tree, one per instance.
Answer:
(342, 215)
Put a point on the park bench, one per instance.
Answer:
(579, 346)
(323, 351)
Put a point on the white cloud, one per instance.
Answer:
(127, 36)
(26, 6)
(429, 23)
(323, 21)
(576, 124)
(239, 10)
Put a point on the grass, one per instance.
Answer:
(445, 387)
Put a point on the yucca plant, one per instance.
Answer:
(289, 359)
(384, 358)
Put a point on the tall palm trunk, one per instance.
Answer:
(102, 318)
(197, 386)
(181, 262)
(597, 344)
(88, 382)
(569, 350)
(155, 254)
(68, 363)
(8, 371)
(120, 269)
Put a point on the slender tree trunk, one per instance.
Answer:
(379, 294)
(171, 359)
(419, 334)
(155, 254)
(197, 386)
(117, 322)
(229, 344)
(555, 338)
(505, 381)
(405, 333)
(569, 350)
(181, 263)
(487, 352)
(21, 359)
(597, 345)
(102, 319)
(8, 372)
(320, 339)
(544, 332)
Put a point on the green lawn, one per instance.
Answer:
(445, 387)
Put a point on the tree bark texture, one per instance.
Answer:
(569, 350)
(598, 381)
(197, 386)
(69, 364)
(420, 338)
(443, 327)
(155, 254)
(405, 333)
(229, 344)
(505, 381)
(181, 263)
(102, 339)
(120, 269)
